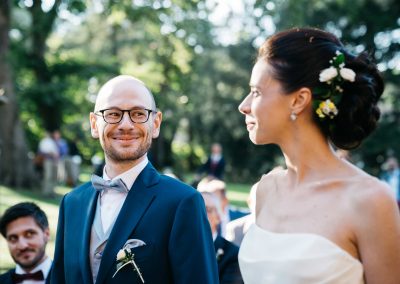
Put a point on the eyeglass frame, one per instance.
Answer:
(101, 113)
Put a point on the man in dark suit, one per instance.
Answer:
(26, 229)
(214, 167)
(133, 225)
(226, 252)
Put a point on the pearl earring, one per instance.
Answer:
(293, 116)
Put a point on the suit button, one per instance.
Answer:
(98, 255)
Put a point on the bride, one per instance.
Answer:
(322, 220)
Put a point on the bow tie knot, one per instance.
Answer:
(19, 278)
(100, 184)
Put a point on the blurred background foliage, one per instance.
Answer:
(195, 56)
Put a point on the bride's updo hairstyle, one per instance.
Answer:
(298, 56)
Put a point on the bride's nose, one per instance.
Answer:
(244, 106)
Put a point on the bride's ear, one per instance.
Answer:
(301, 100)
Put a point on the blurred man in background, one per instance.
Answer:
(26, 230)
(391, 175)
(49, 153)
(229, 212)
(214, 167)
(225, 251)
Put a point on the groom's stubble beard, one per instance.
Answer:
(128, 155)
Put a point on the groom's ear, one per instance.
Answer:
(93, 125)
(156, 124)
(301, 100)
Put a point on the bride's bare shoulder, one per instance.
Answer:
(269, 182)
(370, 195)
(366, 186)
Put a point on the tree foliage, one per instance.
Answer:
(61, 54)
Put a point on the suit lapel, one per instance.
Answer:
(49, 275)
(136, 203)
(218, 243)
(90, 198)
(8, 276)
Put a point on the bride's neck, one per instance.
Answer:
(310, 160)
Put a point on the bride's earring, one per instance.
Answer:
(293, 116)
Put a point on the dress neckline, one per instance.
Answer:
(316, 236)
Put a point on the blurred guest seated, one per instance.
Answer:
(229, 212)
(225, 251)
(236, 229)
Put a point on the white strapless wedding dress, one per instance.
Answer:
(285, 258)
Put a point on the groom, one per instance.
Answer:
(142, 227)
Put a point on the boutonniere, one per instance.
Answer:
(125, 256)
(219, 253)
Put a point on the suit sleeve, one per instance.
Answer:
(191, 249)
(231, 273)
(57, 275)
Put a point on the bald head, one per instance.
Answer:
(123, 84)
(125, 142)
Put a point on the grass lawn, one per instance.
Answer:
(237, 194)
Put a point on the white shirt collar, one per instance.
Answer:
(214, 236)
(44, 266)
(129, 176)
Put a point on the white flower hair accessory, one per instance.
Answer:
(125, 256)
(326, 98)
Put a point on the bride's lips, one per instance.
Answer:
(250, 125)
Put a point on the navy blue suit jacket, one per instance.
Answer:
(228, 265)
(167, 215)
(6, 278)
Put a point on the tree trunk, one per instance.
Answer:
(16, 169)
(49, 99)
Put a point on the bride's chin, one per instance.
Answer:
(254, 140)
(258, 140)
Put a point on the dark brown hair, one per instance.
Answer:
(297, 56)
(20, 210)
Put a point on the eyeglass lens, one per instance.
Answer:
(136, 115)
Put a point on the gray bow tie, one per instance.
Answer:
(100, 184)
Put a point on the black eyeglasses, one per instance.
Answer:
(115, 115)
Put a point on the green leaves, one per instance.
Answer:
(338, 60)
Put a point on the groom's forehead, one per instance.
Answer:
(124, 95)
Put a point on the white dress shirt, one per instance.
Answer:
(111, 201)
(44, 266)
(215, 158)
(48, 146)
